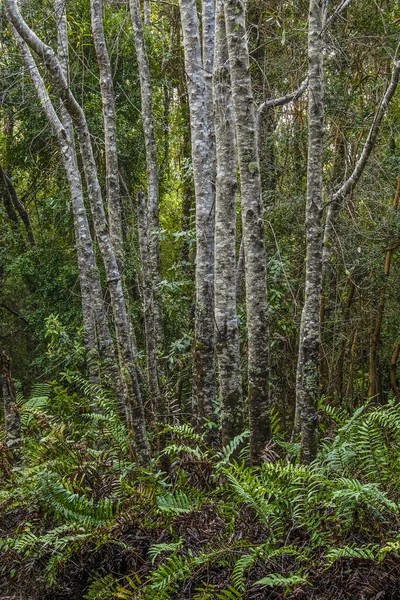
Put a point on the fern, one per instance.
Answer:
(157, 549)
(366, 553)
(276, 580)
(73, 507)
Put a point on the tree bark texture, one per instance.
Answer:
(147, 13)
(252, 226)
(110, 130)
(393, 370)
(204, 359)
(227, 332)
(93, 306)
(208, 53)
(307, 384)
(152, 209)
(133, 401)
(159, 408)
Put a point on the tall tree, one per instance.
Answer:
(132, 395)
(252, 226)
(152, 209)
(93, 306)
(202, 157)
(97, 334)
(226, 319)
(110, 130)
(307, 383)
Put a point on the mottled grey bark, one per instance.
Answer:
(227, 332)
(240, 272)
(152, 208)
(202, 157)
(147, 13)
(153, 377)
(97, 334)
(11, 411)
(132, 396)
(208, 44)
(307, 382)
(93, 307)
(252, 227)
(110, 130)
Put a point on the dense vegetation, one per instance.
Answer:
(200, 227)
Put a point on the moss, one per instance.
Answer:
(254, 167)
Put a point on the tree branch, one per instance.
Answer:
(352, 181)
(14, 312)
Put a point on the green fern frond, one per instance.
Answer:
(74, 507)
(366, 553)
(276, 580)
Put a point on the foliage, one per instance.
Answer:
(214, 525)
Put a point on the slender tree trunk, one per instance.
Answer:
(208, 53)
(393, 370)
(133, 401)
(110, 131)
(11, 412)
(252, 227)
(159, 408)
(147, 13)
(307, 384)
(227, 332)
(342, 353)
(378, 320)
(202, 156)
(16, 205)
(152, 172)
(94, 310)
(240, 273)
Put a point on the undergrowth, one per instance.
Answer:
(79, 520)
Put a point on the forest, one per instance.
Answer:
(199, 299)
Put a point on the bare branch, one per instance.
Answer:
(285, 99)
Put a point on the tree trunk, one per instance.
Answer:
(378, 320)
(307, 384)
(147, 13)
(94, 310)
(227, 332)
(252, 226)
(110, 131)
(11, 411)
(16, 205)
(204, 360)
(133, 401)
(208, 53)
(152, 216)
(393, 370)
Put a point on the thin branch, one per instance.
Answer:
(333, 16)
(278, 102)
(352, 181)
(14, 312)
(18, 206)
(285, 99)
